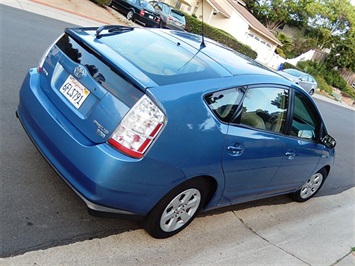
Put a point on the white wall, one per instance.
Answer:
(236, 25)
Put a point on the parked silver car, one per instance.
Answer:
(306, 81)
(170, 18)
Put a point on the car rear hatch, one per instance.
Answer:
(149, 12)
(150, 15)
(89, 83)
(177, 19)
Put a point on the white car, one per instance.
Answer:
(306, 81)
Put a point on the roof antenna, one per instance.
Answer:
(202, 45)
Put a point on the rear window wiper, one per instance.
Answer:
(112, 29)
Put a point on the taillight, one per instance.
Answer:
(141, 13)
(138, 128)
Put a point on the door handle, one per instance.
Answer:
(235, 150)
(290, 154)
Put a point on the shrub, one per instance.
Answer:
(325, 78)
(194, 25)
(322, 85)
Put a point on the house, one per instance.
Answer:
(232, 17)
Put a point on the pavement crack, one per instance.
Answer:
(339, 260)
(266, 240)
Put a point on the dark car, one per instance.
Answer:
(170, 18)
(139, 11)
(162, 124)
(306, 81)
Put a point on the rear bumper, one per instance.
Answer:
(106, 180)
(147, 22)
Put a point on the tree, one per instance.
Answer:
(343, 54)
(325, 24)
(332, 21)
(276, 13)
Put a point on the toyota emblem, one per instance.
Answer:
(79, 72)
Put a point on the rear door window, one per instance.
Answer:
(224, 103)
(265, 108)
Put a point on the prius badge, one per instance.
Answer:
(79, 72)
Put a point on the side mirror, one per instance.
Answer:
(329, 141)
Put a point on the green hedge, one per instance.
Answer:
(325, 77)
(194, 25)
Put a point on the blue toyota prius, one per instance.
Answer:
(162, 124)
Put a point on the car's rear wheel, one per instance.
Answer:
(130, 15)
(177, 209)
(311, 187)
(311, 92)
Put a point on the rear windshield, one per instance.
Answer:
(178, 16)
(99, 71)
(164, 61)
(147, 6)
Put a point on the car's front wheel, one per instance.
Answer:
(130, 15)
(311, 187)
(177, 209)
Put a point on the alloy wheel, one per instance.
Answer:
(180, 210)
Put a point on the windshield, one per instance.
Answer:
(147, 6)
(293, 72)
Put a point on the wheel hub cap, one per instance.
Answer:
(180, 210)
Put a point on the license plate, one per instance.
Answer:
(74, 91)
(151, 17)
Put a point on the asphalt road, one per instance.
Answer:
(37, 209)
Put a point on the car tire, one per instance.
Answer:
(311, 187)
(177, 209)
(130, 15)
(311, 92)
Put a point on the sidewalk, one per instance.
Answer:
(327, 99)
(321, 233)
(82, 12)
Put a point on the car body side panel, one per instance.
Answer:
(137, 184)
(249, 172)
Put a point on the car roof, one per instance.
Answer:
(182, 52)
